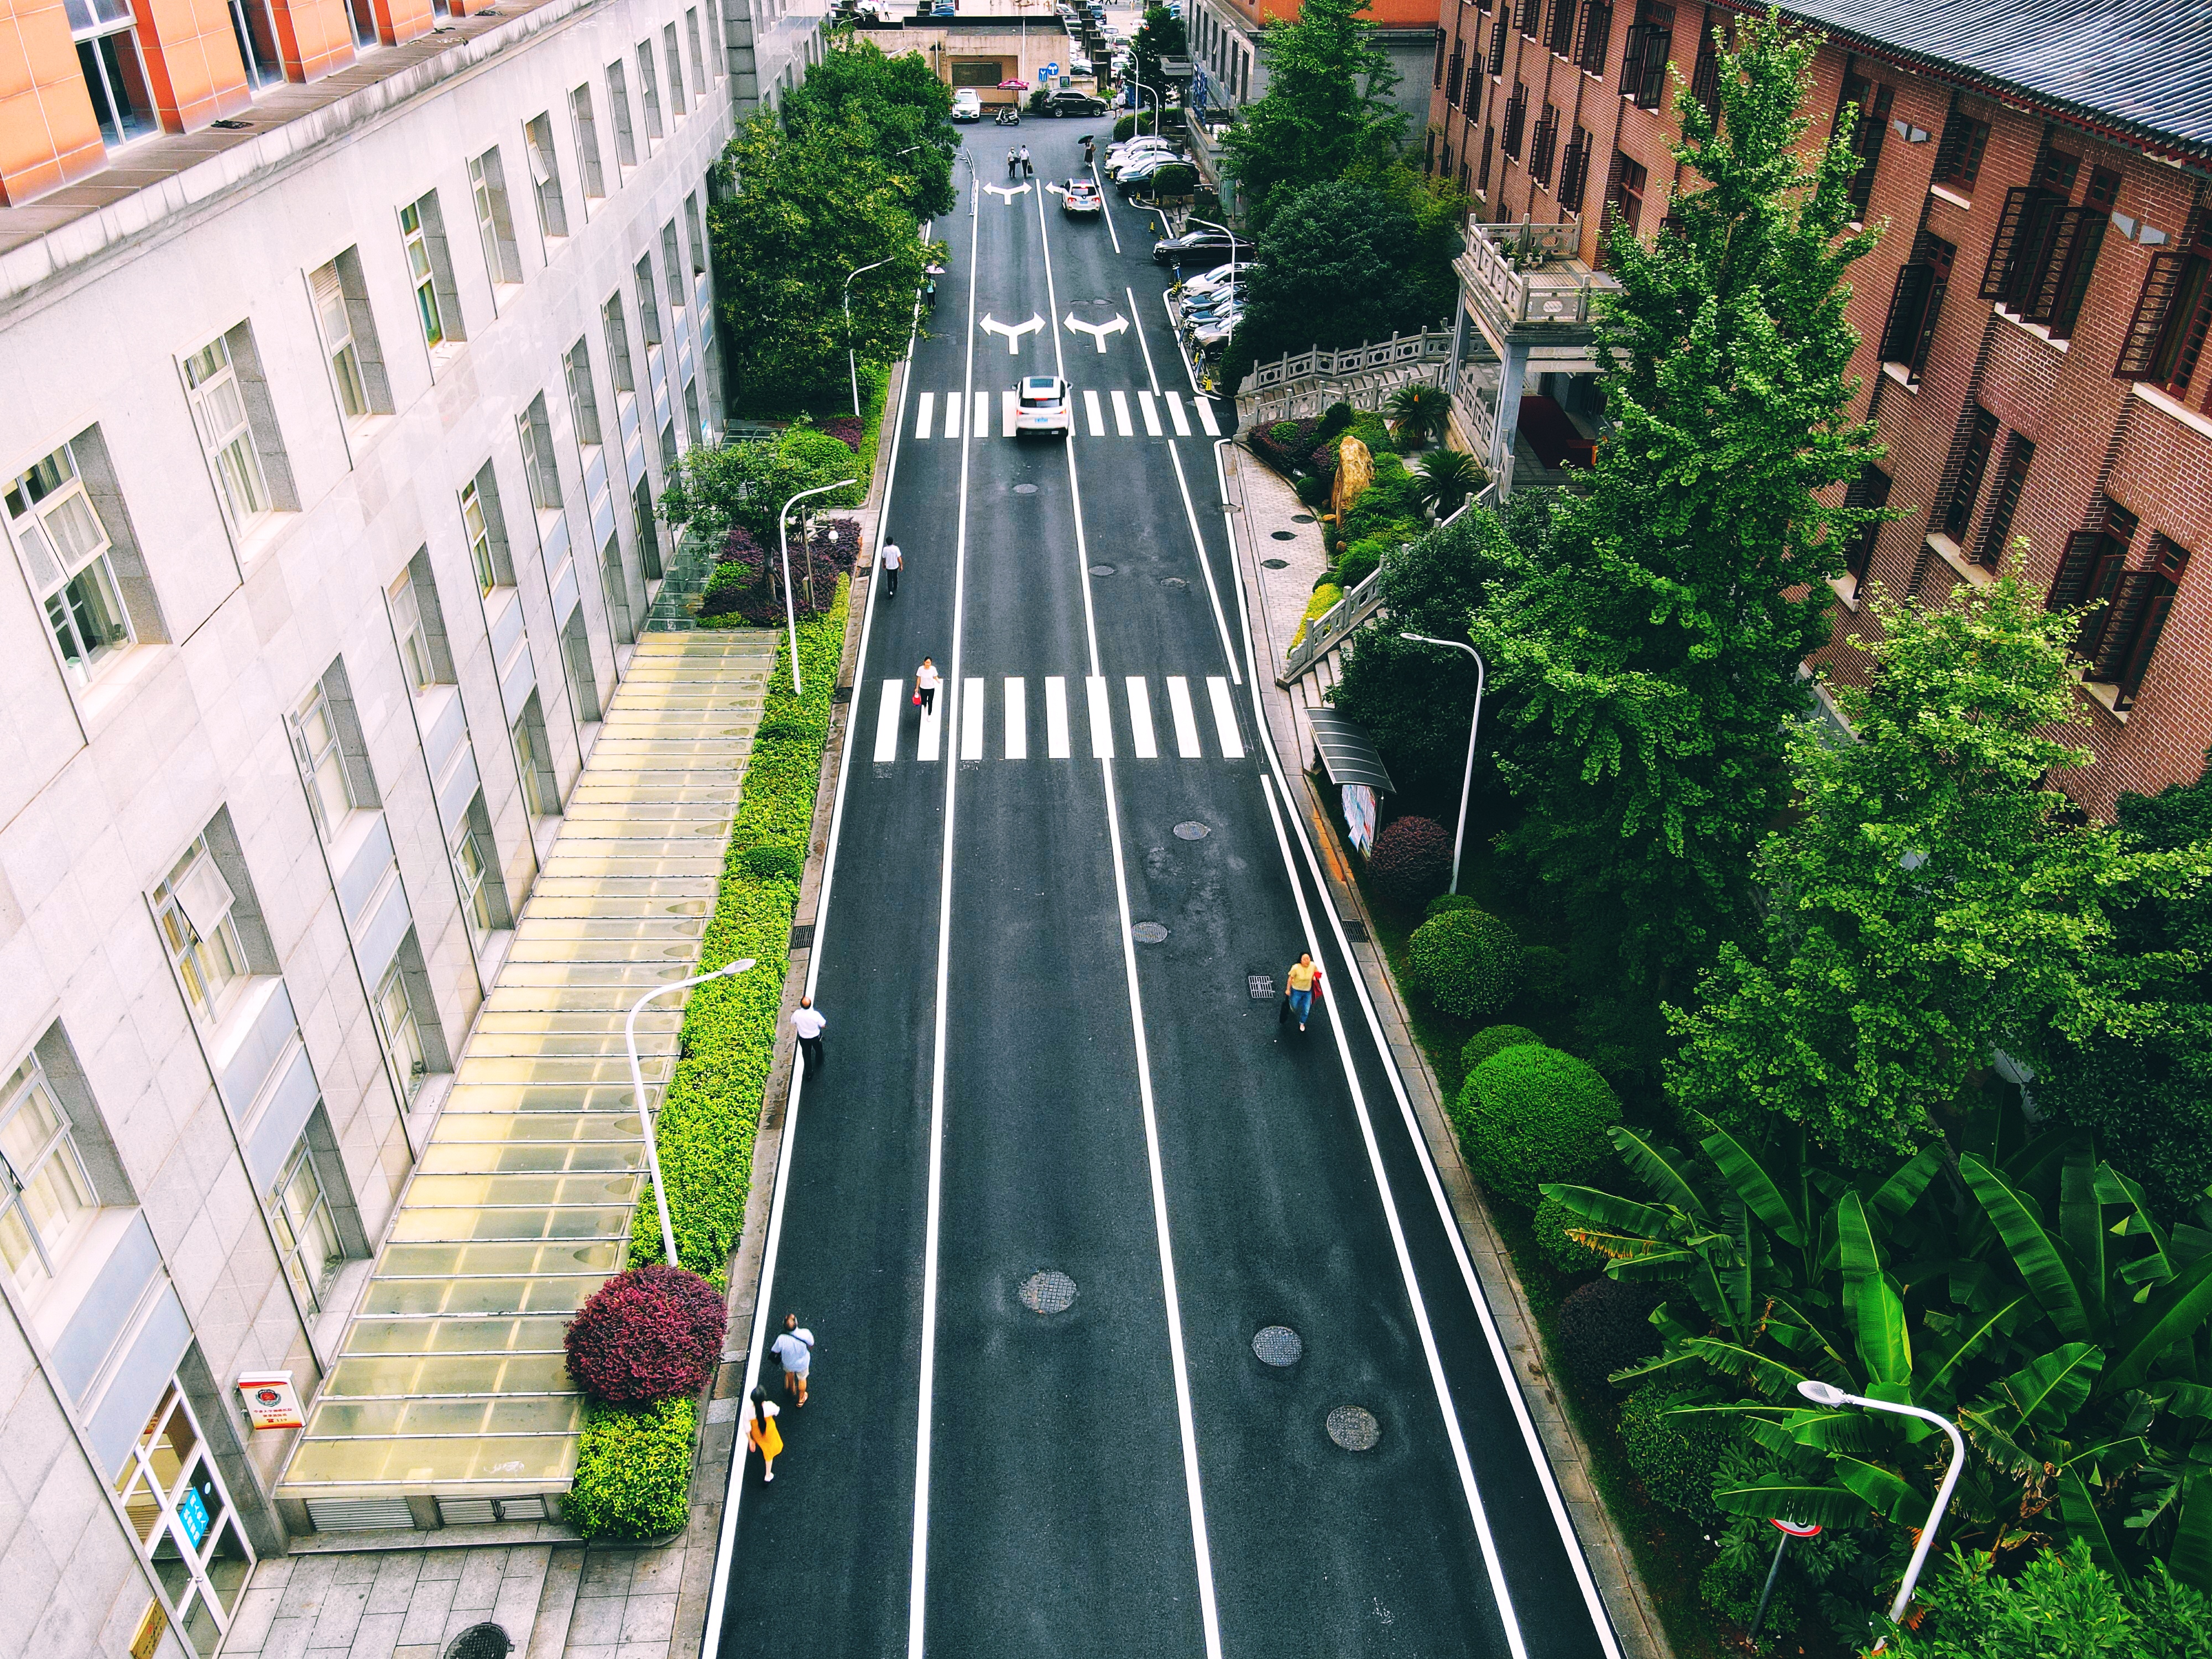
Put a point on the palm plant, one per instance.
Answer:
(1421, 413)
(1447, 477)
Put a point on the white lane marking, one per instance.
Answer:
(887, 722)
(1149, 407)
(1006, 411)
(1017, 718)
(1205, 565)
(1122, 413)
(933, 723)
(1107, 209)
(1175, 412)
(1098, 415)
(1055, 717)
(1224, 717)
(1141, 719)
(1149, 373)
(928, 413)
(1205, 417)
(1101, 718)
(952, 414)
(1593, 1603)
(971, 719)
(1186, 718)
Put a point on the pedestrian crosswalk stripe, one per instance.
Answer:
(928, 413)
(1102, 718)
(1225, 716)
(971, 719)
(1141, 718)
(1205, 418)
(1186, 720)
(1055, 717)
(1006, 410)
(952, 414)
(1122, 413)
(1175, 413)
(887, 722)
(1150, 408)
(938, 415)
(1017, 718)
(1098, 417)
(932, 730)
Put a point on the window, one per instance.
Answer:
(1542, 145)
(1624, 195)
(678, 105)
(668, 450)
(1918, 303)
(1869, 491)
(1973, 465)
(588, 143)
(649, 533)
(1596, 31)
(2020, 455)
(1705, 74)
(219, 412)
(306, 1233)
(363, 16)
(472, 870)
(66, 545)
(649, 87)
(1959, 151)
(535, 430)
(1489, 139)
(692, 232)
(617, 333)
(2045, 249)
(583, 401)
(2166, 336)
(545, 177)
(1532, 12)
(44, 1192)
(1644, 55)
(1436, 77)
(494, 223)
(691, 39)
(1516, 111)
(430, 269)
(402, 1036)
(416, 659)
(1498, 39)
(618, 101)
(256, 43)
(192, 909)
(174, 1496)
(114, 70)
(349, 343)
(1867, 131)
(1560, 39)
(1458, 71)
(648, 310)
(714, 38)
(486, 530)
(1574, 170)
(532, 761)
(2089, 571)
(672, 266)
(322, 759)
(2146, 599)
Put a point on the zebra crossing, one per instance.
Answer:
(1096, 694)
(1114, 413)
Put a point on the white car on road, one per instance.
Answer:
(967, 106)
(1042, 405)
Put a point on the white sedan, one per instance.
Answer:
(1042, 405)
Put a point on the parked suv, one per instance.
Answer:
(967, 106)
(1068, 101)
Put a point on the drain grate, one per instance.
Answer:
(1261, 986)
(1354, 1428)
(485, 1641)
(1302, 518)
(1148, 932)
(1275, 564)
(1192, 830)
(1278, 1344)
(1103, 571)
(1049, 1292)
(1024, 489)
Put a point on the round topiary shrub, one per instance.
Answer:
(1570, 1255)
(1443, 902)
(1605, 1325)
(1493, 1039)
(1529, 1115)
(1312, 490)
(1676, 1457)
(1466, 961)
(1544, 976)
(772, 861)
(1410, 860)
(1335, 418)
(651, 1333)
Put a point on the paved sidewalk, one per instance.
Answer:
(1264, 508)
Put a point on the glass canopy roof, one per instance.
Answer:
(450, 1380)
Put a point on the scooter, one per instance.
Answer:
(1008, 115)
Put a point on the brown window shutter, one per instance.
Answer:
(1516, 111)
(2069, 583)
(1631, 59)
(1959, 511)
(1930, 314)
(1574, 170)
(2005, 502)
(2120, 638)
(1531, 14)
(2148, 326)
(1607, 210)
(1597, 33)
(1902, 327)
(2051, 280)
(1995, 278)
(1497, 32)
(1951, 148)
(1654, 91)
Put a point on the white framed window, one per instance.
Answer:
(307, 1233)
(322, 761)
(679, 104)
(470, 869)
(648, 89)
(414, 657)
(588, 143)
(181, 1513)
(67, 550)
(545, 177)
(477, 524)
(337, 341)
(226, 433)
(691, 39)
(430, 271)
(672, 269)
(403, 1035)
(535, 429)
(45, 1193)
(695, 234)
(648, 308)
(494, 221)
(618, 104)
(192, 907)
(114, 70)
(530, 761)
(617, 333)
(583, 401)
(256, 43)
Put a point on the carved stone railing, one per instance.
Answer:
(1528, 277)
(1326, 632)
(1301, 385)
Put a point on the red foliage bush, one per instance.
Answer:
(847, 429)
(1411, 860)
(651, 1333)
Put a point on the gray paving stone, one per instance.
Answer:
(395, 1581)
(377, 1637)
(607, 1572)
(441, 1564)
(426, 1609)
(341, 1614)
(649, 1618)
(358, 1568)
(257, 1611)
(287, 1638)
(480, 1575)
(597, 1619)
(655, 1571)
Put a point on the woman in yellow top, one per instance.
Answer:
(761, 1430)
(1304, 980)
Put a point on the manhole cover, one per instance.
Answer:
(1262, 987)
(481, 1641)
(1101, 569)
(1047, 1293)
(1285, 536)
(1276, 564)
(1024, 489)
(1148, 932)
(1278, 1344)
(1302, 518)
(1173, 581)
(1353, 1427)
(1193, 831)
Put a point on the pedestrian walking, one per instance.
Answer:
(926, 682)
(1301, 984)
(795, 1349)
(760, 1429)
(1027, 169)
(806, 1020)
(890, 558)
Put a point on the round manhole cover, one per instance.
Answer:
(1024, 489)
(480, 1642)
(1173, 581)
(1286, 535)
(1276, 564)
(1354, 1428)
(1302, 518)
(1278, 1344)
(1193, 830)
(1148, 932)
(1047, 1293)
(1101, 569)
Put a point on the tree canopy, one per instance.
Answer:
(1162, 35)
(905, 108)
(1327, 108)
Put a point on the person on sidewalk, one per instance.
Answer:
(795, 1349)
(807, 1021)
(1300, 984)
(761, 1430)
(890, 558)
(926, 681)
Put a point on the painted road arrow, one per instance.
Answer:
(1098, 331)
(1009, 193)
(1013, 331)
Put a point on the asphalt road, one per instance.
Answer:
(1015, 1085)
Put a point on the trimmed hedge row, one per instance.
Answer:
(633, 1470)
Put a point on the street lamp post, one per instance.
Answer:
(1466, 783)
(1192, 219)
(728, 970)
(1828, 1395)
(852, 367)
(783, 550)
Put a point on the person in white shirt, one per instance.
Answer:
(926, 682)
(794, 1350)
(890, 558)
(806, 1020)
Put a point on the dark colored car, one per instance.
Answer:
(1195, 249)
(1068, 101)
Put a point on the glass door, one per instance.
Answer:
(183, 1518)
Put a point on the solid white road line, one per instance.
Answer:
(1017, 718)
(887, 722)
(1141, 719)
(1205, 565)
(971, 719)
(1186, 718)
(1098, 415)
(1055, 717)
(952, 414)
(928, 413)
(1205, 417)
(1181, 421)
(1224, 717)
(933, 723)
(1137, 326)
(1149, 407)
(1101, 718)
(1122, 413)
(1105, 206)
(1006, 411)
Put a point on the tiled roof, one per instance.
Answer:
(2141, 67)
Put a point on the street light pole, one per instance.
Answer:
(1466, 783)
(728, 970)
(1192, 219)
(783, 548)
(852, 367)
(1828, 1395)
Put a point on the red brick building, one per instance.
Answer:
(2030, 322)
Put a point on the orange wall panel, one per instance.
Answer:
(48, 134)
(192, 60)
(401, 21)
(314, 37)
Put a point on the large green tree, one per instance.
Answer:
(1327, 108)
(1652, 667)
(1161, 35)
(907, 110)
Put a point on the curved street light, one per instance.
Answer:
(852, 367)
(728, 970)
(1192, 219)
(1466, 783)
(783, 548)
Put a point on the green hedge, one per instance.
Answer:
(634, 1471)
(1674, 1455)
(1466, 961)
(1529, 1115)
(1491, 1040)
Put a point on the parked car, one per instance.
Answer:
(967, 106)
(1195, 249)
(1141, 172)
(1068, 101)
(1217, 279)
(1081, 200)
(1080, 68)
(1043, 406)
(1122, 154)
